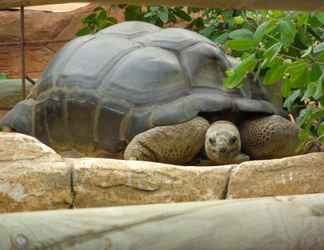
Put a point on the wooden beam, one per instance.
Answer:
(277, 223)
(306, 5)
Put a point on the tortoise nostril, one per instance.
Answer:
(222, 150)
(212, 141)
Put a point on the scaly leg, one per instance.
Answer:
(269, 137)
(175, 144)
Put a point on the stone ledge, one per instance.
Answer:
(303, 174)
(107, 182)
(30, 185)
(32, 175)
(35, 177)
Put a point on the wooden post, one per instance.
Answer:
(278, 223)
(22, 46)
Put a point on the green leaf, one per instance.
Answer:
(102, 15)
(304, 116)
(302, 19)
(112, 20)
(241, 44)
(207, 31)
(320, 17)
(84, 31)
(155, 8)
(303, 40)
(320, 130)
(133, 13)
(221, 39)
(275, 73)
(90, 19)
(319, 48)
(182, 14)
(272, 52)
(316, 72)
(262, 30)
(319, 89)
(287, 32)
(290, 100)
(149, 14)
(305, 135)
(307, 52)
(310, 91)
(164, 15)
(286, 88)
(237, 75)
(3, 76)
(241, 34)
(296, 70)
(309, 114)
(298, 74)
(238, 20)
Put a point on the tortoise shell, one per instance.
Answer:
(105, 88)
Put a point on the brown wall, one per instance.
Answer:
(39, 25)
(2, 113)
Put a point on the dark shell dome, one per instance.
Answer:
(108, 87)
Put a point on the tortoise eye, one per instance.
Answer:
(233, 139)
(212, 140)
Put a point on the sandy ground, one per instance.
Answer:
(58, 7)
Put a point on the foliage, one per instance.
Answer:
(284, 48)
(3, 76)
(99, 19)
(158, 15)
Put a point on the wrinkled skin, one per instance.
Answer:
(260, 138)
(223, 143)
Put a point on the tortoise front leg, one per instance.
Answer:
(175, 144)
(269, 137)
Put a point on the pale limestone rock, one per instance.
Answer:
(18, 147)
(302, 174)
(107, 182)
(32, 176)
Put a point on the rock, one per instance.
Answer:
(35, 177)
(302, 174)
(16, 147)
(107, 182)
(32, 176)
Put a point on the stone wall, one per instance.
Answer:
(34, 177)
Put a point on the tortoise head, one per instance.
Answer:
(19, 119)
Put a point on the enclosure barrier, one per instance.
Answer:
(278, 223)
(232, 4)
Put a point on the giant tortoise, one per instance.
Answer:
(155, 91)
